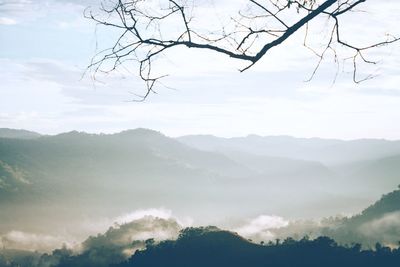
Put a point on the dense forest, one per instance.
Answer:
(210, 246)
(204, 247)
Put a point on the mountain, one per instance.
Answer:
(77, 177)
(361, 169)
(380, 222)
(382, 173)
(132, 162)
(74, 176)
(213, 247)
(18, 134)
(326, 151)
(141, 167)
(266, 156)
(277, 166)
(388, 204)
(11, 178)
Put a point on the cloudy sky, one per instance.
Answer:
(45, 46)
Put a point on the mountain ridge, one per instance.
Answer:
(18, 133)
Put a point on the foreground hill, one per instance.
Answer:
(140, 243)
(210, 246)
(204, 247)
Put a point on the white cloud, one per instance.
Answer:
(139, 214)
(7, 21)
(259, 228)
(159, 224)
(156, 213)
(33, 241)
(386, 229)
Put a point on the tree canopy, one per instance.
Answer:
(213, 247)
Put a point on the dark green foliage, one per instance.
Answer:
(212, 247)
(388, 203)
(199, 247)
(379, 222)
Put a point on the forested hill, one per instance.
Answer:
(387, 207)
(210, 246)
(380, 222)
(388, 203)
(202, 247)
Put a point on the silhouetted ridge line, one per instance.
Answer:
(199, 247)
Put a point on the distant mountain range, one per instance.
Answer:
(327, 151)
(77, 175)
(367, 164)
(19, 134)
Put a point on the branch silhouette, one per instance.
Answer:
(144, 27)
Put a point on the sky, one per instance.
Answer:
(46, 45)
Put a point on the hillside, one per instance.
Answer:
(383, 173)
(18, 134)
(106, 175)
(152, 241)
(380, 222)
(388, 204)
(147, 168)
(327, 151)
(78, 177)
(364, 167)
(199, 247)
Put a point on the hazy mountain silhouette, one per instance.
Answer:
(72, 175)
(19, 134)
(327, 151)
(53, 174)
(362, 167)
(383, 173)
(106, 175)
(281, 167)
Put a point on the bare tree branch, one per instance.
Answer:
(145, 34)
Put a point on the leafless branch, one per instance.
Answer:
(145, 32)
